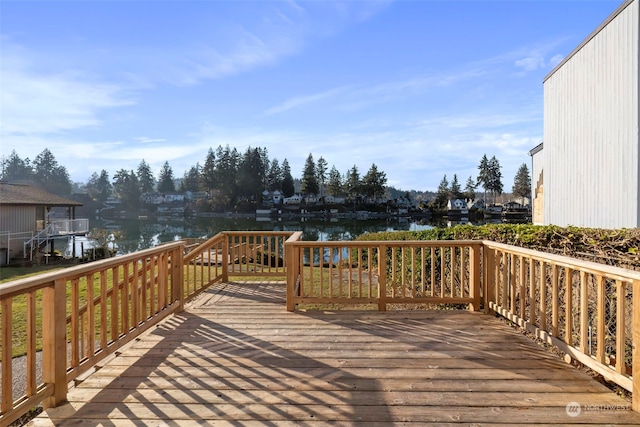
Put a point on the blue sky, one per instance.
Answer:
(420, 88)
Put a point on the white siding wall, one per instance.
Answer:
(591, 119)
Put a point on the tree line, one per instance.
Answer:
(231, 179)
(489, 178)
(228, 177)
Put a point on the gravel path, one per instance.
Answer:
(19, 380)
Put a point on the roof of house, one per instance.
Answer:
(23, 194)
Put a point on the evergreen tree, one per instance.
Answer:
(208, 173)
(443, 195)
(145, 177)
(353, 184)
(227, 173)
(49, 175)
(522, 182)
(470, 189)
(99, 187)
(309, 177)
(165, 179)
(483, 175)
(455, 191)
(104, 186)
(288, 188)
(274, 177)
(127, 188)
(374, 183)
(191, 179)
(251, 174)
(15, 169)
(321, 170)
(494, 183)
(334, 186)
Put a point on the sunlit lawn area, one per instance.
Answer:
(9, 273)
(19, 304)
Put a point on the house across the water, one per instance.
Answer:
(31, 220)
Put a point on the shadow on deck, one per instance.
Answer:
(235, 356)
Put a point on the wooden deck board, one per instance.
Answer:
(236, 357)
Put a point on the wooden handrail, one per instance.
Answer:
(590, 311)
(385, 272)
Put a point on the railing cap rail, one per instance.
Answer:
(28, 284)
(611, 271)
(257, 233)
(363, 243)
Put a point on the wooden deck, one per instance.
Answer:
(235, 356)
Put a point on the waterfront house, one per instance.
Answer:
(591, 147)
(457, 207)
(33, 217)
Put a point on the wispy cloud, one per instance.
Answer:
(145, 140)
(35, 102)
(300, 101)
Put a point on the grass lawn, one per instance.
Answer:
(8, 273)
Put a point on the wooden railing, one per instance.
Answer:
(384, 272)
(80, 315)
(590, 311)
(234, 253)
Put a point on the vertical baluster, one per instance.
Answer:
(423, 279)
(463, 272)
(124, 302)
(341, 271)
(114, 304)
(6, 402)
(454, 268)
(523, 286)
(601, 316)
(413, 272)
(359, 264)
(75, 328)
(512, 282)
(31, 344)
(532, 291)
(568, 305)
(321, 250)
(393, 272)
(621, 335)
(584, 314)
(505, 280)
(91, 317)
(443, 276)
(103, 309)
(433, 270)
(370, 268)
(543, 295)
(555, 313)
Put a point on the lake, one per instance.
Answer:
(138, 234)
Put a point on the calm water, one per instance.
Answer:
(134, 235)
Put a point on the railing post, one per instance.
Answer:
(489, 274)
(177, 276)
(474, 276)
(382, 278)
(635, 355)
(289, 250)
(54, 341)
(226, 258)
